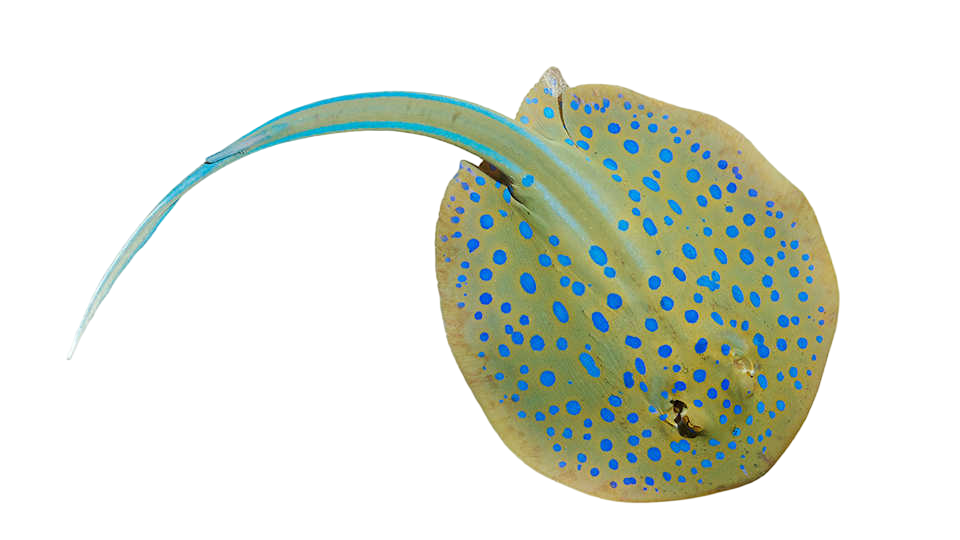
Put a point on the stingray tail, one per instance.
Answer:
(497, 139)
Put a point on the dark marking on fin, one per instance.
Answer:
(496, 174)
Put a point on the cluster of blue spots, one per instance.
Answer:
(617, 313)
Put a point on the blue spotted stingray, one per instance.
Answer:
(641, 304)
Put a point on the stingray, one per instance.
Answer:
(641, 304)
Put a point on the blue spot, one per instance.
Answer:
(600, 322)
(613, 127)
(537, 343)
(486, 298)
(631, 146)
(473, 244)
(527, 180)
(641, 368)
(598, 255)
(651, 183)
(528, 283)
(693, 175)
(737, 294)
(700, 346)
(666, 155)
(547, 378)
(548, 112)
(623, 225)
(692, 316)
(588, 364)
(525, 230)
(699, 375)
(573, 407)
(689, 251)
(720, 255)
(499, 256)
(486, 274)
(732, 231)
(746, 256)
(679, 273)
(486, 221)
(654, 453)
(586, 131)
(614, 301)
(649, 226)
(560, 311)
(610, 164)
(769, 232)
(666, 303)
(607, 415)
(665, 351)
(762, 381)
(654, 282)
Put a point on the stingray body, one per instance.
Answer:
(639, 301)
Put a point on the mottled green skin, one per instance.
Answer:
(594, 209)
(558, 189)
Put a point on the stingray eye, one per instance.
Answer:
(678, 406)
(687, 429)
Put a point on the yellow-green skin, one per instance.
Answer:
(589, 223)
(651, 455)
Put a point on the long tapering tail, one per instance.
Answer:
(490, 135)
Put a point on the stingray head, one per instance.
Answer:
(650, 323)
